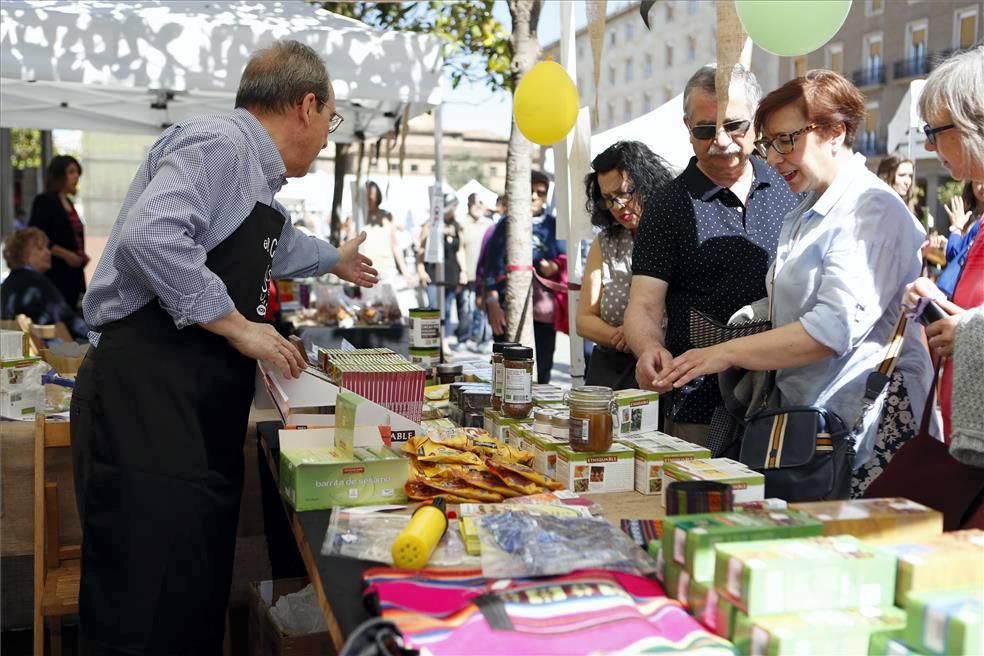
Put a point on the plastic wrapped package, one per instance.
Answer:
(370, 536)
(334, 308)
(519, 544)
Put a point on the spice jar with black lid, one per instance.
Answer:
(497, 373)
(517, 382)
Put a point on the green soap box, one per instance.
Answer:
(890, 643)
(638, 411)
(845, 631)
(652, 450)
(689, 540)
(803, 574)
(942, 623)
(320, 478)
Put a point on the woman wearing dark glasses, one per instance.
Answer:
(835, 284)
(622, 179)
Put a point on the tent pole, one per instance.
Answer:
(439, 190)
(7, 186)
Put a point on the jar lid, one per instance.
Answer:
(543, 414)
(592, 393)
(449, 368)
(517, 353)
(561, 418)
(498, 347)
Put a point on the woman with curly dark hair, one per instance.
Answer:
(623, 178)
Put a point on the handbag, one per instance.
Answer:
(924, 471)
(807, 452)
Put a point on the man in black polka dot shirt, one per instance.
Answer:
(704, 243)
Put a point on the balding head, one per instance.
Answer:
(278, 77)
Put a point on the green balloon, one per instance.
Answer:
(792, 27)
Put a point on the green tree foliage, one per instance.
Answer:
(459, 169)
(25, 146)
(476, 46)
(948, 190)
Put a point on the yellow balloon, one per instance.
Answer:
(545, 104)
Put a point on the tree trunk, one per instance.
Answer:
(519, 249)
(341, 165)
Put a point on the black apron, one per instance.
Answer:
(611, 368)
(159, 416)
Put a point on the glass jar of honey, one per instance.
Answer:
(592, 410)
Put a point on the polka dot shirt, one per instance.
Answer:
(714, 253)
(616, 274)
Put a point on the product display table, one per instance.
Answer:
(337, 581)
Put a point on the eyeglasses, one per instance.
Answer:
(932, 132)
(542, 193)
(733, 128)
(335, 120)
(781, 143)
(621, 200)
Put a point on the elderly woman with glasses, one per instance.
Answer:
(623, 177)
(952, 104)
(836, 283)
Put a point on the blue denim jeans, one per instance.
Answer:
(451, 295)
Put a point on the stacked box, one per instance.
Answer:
(890, 644)
(948, 622)
(846, 631)
(548, 396)
(803, 574)
(14, 345)
(496, 425)
(607, 471)
(652, 450)
(876, 521)
(688, 540)
(948, 562)
(544, 448)
(380, 375)
(638, 412)
(21, 391)
(321, 478)
(720, 614)
(746, 484)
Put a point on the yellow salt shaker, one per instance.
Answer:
(413, 547)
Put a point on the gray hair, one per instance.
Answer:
(279, 77)
(957, 86)
(703, 80)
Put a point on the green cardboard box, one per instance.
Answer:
(950, 561)
(606, 471)
(746, 484)
(652, 450)
(890, 643)
(842, 632)
(949, 622)
(689, 539)
(638, 412)
(803, 574)
(320, 477)
(496, 424)
(720, 614)
(544, 449)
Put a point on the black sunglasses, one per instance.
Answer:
(932, 132)
(733, 128)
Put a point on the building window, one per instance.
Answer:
(691, 48)
(394, 166)
(611, 38)
(835, 57)
(611, 75)
(871, 60)
(493, 170)
(627, 114)
(669, 12)
(869, 137)
(915, 45)
(414, 168)
(647, 103)
(873, 7)
(647, 66)
(580, 52)
(610, 115)
(799, 66)
(628, 70)
(630, 31)
(669, 55)
(965, 27)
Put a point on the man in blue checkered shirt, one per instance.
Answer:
(177, 308)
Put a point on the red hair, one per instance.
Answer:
(825, 98)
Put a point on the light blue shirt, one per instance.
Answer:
(198, 183)
(841, 268)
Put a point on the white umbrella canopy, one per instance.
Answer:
(661, 129)
(140, 66)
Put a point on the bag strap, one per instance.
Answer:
(879, 378)
(928, 408)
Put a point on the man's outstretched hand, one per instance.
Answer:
(353, 266)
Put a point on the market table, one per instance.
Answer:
(337, 580)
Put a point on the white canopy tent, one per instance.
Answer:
(140, 66)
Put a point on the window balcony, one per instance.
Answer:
(912, 67)
(870, 144)
(869, 76)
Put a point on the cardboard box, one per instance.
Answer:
(746, 484)
(949, 562)
(607, 471)
(890, 644)
(14, 344)
(720, 614)
(847, 631)
(638, 412)
(544, 448)
(876, 521)
(676, 581)
(21, 391)
(803, 574)
(945, 623)
(496, 424)
(654, 448)
(317, 478)
(689, 540)
(265, 635)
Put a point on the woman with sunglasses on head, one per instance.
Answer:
(952, 104)
(623, 177)
(836, 282)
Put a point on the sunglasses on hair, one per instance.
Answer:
(932, 132)
(733, 128)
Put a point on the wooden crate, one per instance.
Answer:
(266, 638)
